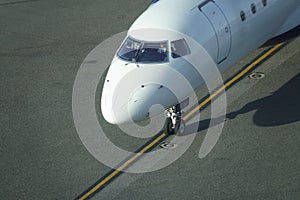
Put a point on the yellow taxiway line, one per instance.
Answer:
(92, 190)
(123, 166)
(232, 80)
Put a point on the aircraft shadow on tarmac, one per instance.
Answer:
(288, 36)
(280, 108)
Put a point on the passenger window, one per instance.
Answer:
(179, 48)
(253, 8)
(243, 15)
(264, 2)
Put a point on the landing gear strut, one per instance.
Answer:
(174, 124)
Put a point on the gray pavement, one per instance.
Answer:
(43, 44)
(257, 155)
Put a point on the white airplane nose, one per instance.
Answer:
(107, 113)
(142, 104)
(113, 113)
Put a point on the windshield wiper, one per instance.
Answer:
(136, 56)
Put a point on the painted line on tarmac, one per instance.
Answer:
(106, 179)
(157, 139)
(234, 79)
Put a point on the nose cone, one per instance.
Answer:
(150, 100)
(130, 92)
(113, 99)
(142, 104)
(113, 112)
(107, 112)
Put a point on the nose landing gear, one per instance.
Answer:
(174, 123)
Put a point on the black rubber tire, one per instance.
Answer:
(180, 127)
(168, 127)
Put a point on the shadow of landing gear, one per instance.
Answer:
(280, 108)
(202, 125)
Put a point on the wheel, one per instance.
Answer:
(180, 127)
(168, 127)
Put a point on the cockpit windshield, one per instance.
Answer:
(144, 52)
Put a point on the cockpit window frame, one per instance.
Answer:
(166, 53)
(185, 49)
(141, 48)
(124, 44)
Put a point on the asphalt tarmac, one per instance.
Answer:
(43, 44)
